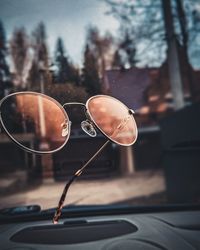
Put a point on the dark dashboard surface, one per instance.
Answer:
(166, 230)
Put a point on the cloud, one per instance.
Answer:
(63, 18)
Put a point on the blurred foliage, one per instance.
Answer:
(97, 59)
(99, 45)
(5, 81)
(39, 45)
(90, 74)
(33, 69)
(125, 53)
(40, 59)
(67, 92)
(19, 51)
(65, 71)
(144, 22)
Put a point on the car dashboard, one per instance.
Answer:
(151, 231)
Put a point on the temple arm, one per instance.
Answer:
(78, 173)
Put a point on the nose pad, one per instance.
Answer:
(65, 128)
(88, 128)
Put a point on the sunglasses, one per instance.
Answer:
(46, 123)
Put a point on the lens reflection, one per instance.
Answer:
(35, 121)
(113, 119)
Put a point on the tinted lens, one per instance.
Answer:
(113, 118)
(36, 122)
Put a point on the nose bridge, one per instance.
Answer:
(73, 103)
(88, 128)
(66, 127)
(86, 125)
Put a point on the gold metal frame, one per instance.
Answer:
(88, 116)
(131, 112)
(18, 143)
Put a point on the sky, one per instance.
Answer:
(68, 19)
(63, 18)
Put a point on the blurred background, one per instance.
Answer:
(146, 54)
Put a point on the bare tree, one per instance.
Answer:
(19, 51)
(100, 46)
(66, 71)
(144, 19)
(125, 53)
(4, 69)
(40, 62)
(143, 22)
(90, 76)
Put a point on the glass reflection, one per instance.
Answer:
(113, 119)
(38, 117)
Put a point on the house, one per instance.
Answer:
(148, 91)
(128, 85)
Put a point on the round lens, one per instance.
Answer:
(113, 119)
(35, 121)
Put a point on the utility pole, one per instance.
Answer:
(46, 159)
(185, 38)
(173, 60)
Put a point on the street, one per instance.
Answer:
(142, 188)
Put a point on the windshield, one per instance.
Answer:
(117, 82)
